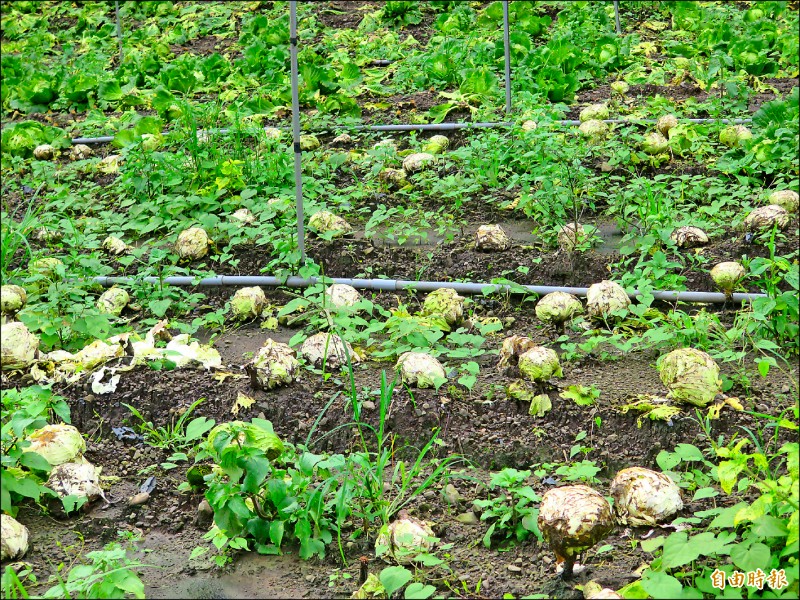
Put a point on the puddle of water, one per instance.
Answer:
(610, 236)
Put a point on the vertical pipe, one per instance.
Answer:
(616, 17)
(119, 30)
(507, 44)
(298, 168)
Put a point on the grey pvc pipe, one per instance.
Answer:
(507, 51)
(616, 17)
(436, 127)
(298, 159)
(397, 285)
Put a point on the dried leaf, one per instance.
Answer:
(242, 401)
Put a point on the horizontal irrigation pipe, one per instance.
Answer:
(428, 127)
(396, 285)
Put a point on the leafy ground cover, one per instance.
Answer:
(358, 449)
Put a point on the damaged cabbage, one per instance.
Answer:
(326, 222)
(512, 348)
(594, 112)
(691, 376)
(192, 243)
(113, 301)
(328, 348)
(644, 498)
(248, 303)
(58, 443)
(445, 303)
(556, 308)
(786, 199)
(272, 366)
(13, 539)
(727, 275)
(420, 369)
(572, 519)
(341, 295)
(417, 161)
(404, 539)
(765, 217)
(114, 246)
(689, 237)
(80, 479)
(604, 298)
(539, 364)
(18, 346)
(491, 238)
(12, 299)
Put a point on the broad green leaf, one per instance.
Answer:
(679, 550)
(660, 585)
(394, 578)
(757, 556)
(419, 591)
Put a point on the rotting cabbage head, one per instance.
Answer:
(491, 238)
(308, 143)
(113, 301)
(788, 200)
(733, 135)
(341, 295)
(445, 303)
(243, 216)
(272, 366)
(114, 246)
(47, 267)
(80, 152)
(420, 369)
(764, 217)
(573, 234)
(44, 152)
(405, 538)
(110, 164)
(58, 443)
(13, 538)
(655, 143)
(665, 123)
(325, 221)
(644, 498)
(393, 178)
(512, 348)
(620, 87)
(12, 299)
(80, 478)
(539, 364)
(192, 243)
(529, 125)
(417, 161)
(250, 435)
(273, 133)
(329, 348)
(18, 346)
(556, 308)
(594, 129)
(727, 275)
(342, 139)
(604, 298)
(436, 145)
(598, 112)
(691, 376)
(248, 303)
(573, 518)
(689, 237)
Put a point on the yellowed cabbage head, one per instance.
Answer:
(420, 369)
(272, 366)
(691, 376)
(192, 243)
(644, 498)
(403, 540)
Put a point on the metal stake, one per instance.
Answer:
(616, 17)
(298, 168)
(507, 44)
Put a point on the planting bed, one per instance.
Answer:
(476, 458)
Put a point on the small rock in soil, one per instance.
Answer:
(468, 518)
(204, 514)
(451, 494)
(138, 499)
(368, 405)
(514, 568)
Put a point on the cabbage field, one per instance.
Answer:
(541, 341)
